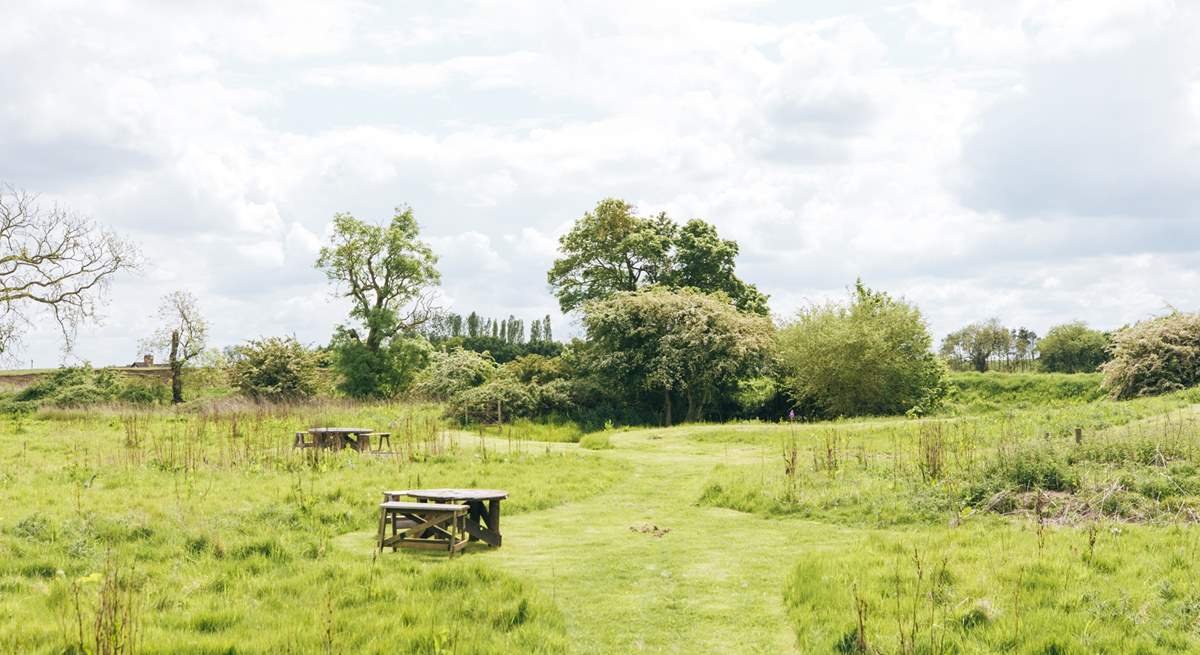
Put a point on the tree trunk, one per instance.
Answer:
(176, 369)
(667, 407)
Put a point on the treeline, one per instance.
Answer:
(671, 333)
(449, 325)
(989, 345)
(502, 339)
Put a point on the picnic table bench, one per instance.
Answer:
(480, 522)
(437, 526)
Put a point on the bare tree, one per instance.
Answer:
(183, 334)
(55, 262)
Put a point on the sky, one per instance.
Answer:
(1034, 160)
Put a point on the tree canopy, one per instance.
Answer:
(386, 271)
(389, 275)
(1073, 348)
(611, 250)
(675, 343)
(871, 356)
(977, 343)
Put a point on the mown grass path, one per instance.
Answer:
(712, 584)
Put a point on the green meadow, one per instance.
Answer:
(987, 528)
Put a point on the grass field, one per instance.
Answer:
(991, 531)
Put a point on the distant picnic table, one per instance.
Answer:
(337, 438)
(483, 508)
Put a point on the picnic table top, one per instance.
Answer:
(339, 430)
(424, 507)
(453, 494)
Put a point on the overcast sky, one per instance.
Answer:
(1031, 160)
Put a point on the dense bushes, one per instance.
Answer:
(84, 385)
(383, 372)
(275, 369)
(1073, 348)
(868, 357)
(680, 348)
(1155, 356)
(453, 372)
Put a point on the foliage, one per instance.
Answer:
(1155, 356)
(82, 386)
(383, 373)
(275, 369)
(675, 343)
(976, 344)
(611, 250)
(498, 400)
(868, 357)
(449, 325)
(143, 392)
(500, 350)
(454, 371)
(537, 369)
(1073, 348)
(388, 275)
(971, 392)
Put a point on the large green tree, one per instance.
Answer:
(611, 249)
(1073, 348)
(870, 356)
(389, 275)
(683, 346)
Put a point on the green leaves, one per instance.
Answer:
(387, 272)
(868, 357)
(381, 269)
(669, 342)
(611, 250)
(1073, 348)
(275, 369)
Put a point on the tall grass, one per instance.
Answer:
(233, 541)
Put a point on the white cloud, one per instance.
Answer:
(962, 154)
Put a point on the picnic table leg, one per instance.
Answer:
(383, 527)
(474, 514)
(493, 519)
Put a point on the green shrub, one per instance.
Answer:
(72, 387)
(502, 399)
(144, 392)
(1154, 357)
(385, 372)
(870, 356)
(275, 369)
(1072, 348)
(449, 373)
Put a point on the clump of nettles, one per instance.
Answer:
(1154, 357)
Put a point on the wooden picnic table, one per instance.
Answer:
(338, 438)
(483, 508)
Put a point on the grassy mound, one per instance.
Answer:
(972, 392)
